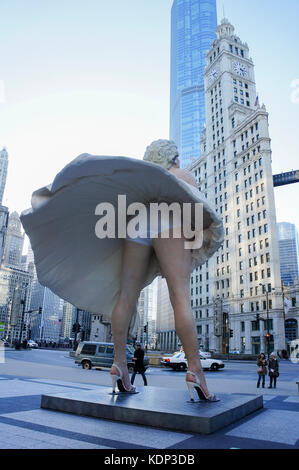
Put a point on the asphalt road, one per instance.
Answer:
(236, 377)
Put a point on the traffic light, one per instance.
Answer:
(268, 335)
(231, 333)
(257, 317)
(40, 309)
(145, 328)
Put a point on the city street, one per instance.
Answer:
(25, 375)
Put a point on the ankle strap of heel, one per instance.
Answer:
(119, 370)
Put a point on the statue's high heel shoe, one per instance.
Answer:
(118, 379)
(196, 385)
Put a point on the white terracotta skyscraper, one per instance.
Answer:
(234, 172)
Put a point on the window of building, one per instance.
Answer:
(255, 325)
(269, 324)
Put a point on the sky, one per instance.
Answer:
(93, 76)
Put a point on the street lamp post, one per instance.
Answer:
(268, 332)
(283, 314)
(23, 302)
(267, 319)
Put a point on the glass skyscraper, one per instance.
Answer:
(288, 240)
(193, 29)
(3, 171)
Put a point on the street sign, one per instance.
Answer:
(2, 327)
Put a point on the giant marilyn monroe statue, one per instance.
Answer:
(105, 274)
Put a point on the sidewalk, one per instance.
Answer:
(24, 425)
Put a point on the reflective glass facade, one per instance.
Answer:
(3, 171)
(193, 29)
(288, 240)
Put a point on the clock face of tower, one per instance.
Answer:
(240, 69)
(213, 75)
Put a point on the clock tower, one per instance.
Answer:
(229, 64)
(228, 293)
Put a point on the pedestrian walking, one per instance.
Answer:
(138, 365)
(261, 369)
(273, 370)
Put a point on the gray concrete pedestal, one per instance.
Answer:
(158, 407)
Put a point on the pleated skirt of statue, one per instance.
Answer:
(70, 258)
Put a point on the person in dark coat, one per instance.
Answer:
(139, 365)
(273, 370)
(261, 369)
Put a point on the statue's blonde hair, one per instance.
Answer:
(162, 152)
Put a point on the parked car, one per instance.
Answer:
(205, 354)
(32, 344)
(4, 342)
(95, 354)
(178, 361)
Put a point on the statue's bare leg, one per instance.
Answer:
(134, 268)
(175, 262)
